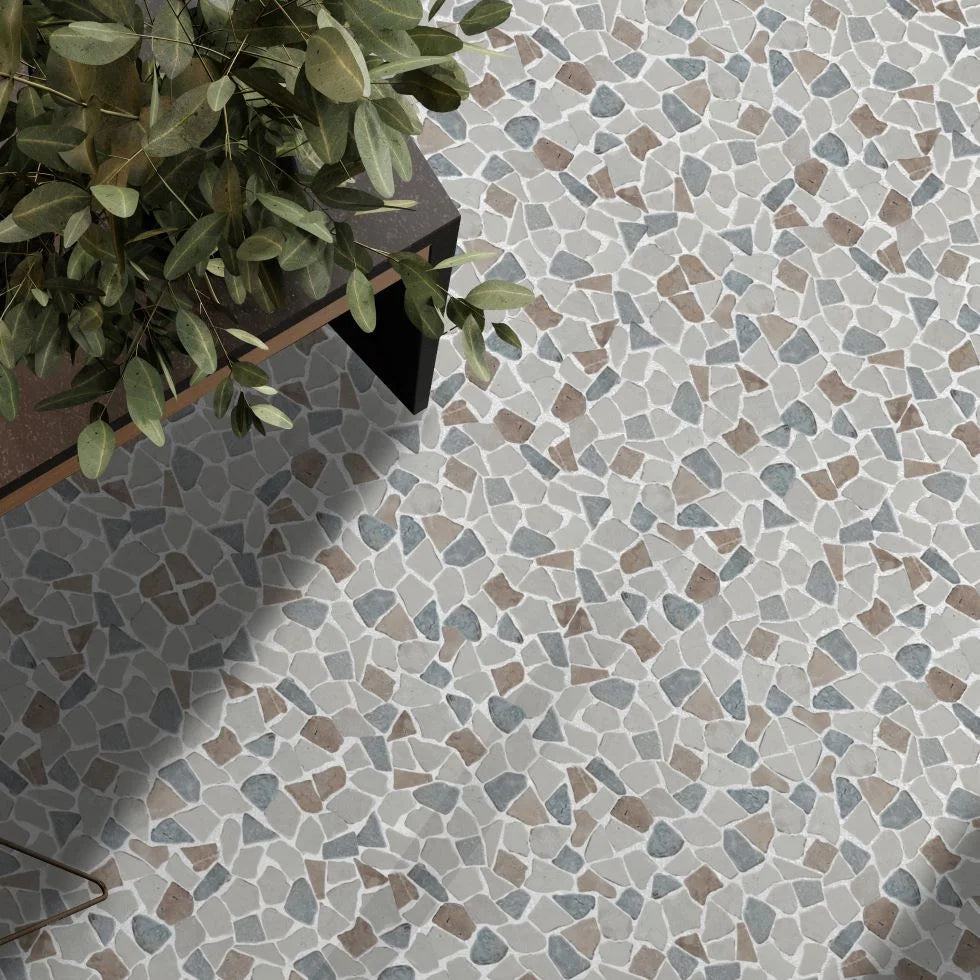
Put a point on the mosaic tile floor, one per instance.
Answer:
(657, 656)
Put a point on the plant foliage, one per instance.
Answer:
(156, 166)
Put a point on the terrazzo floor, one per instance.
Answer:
(655, 657)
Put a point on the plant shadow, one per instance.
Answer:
(196, 583)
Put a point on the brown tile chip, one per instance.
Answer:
(576, 76)
(879, 917)
(965, 599)
(469, 747)
(359, 938)
(702, 883)
(633, 812)
(944, 685)
(176, 904)
(841, 230)
(551, 155)
(323, 732)
(454, 919)
(512, 427)
(569, 405)
(646, 962)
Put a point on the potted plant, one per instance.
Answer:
(159, 169)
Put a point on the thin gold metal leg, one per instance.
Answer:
(35, 926)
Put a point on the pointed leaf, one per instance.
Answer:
(463, 259)
(507, 335)
(313, 222)
(219, 92)
(9, 393)
(372, 145)
(195, 245)
(144, 398)
(173, 30)
(271, 415)
(76, 226)
(95, 445)
(498, 294)
(120, 201)
(8, 351)
(196, 338)
(474, 349)
(222, 397)
(483, 16)
(90, 383)
(249, 375)
(184, 126)
(298, 251)
(434, 40)
(389, 15)
(45, 143)
(266, 243)
(328, 134)
(360, 299)
(246, 337)
(90, 42)
(48, 207)
(335, 65)
(391, 68)
(11, 233)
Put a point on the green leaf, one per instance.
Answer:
(11, 233)
(271, 415)
(474, 349)
(298, 251)
(264, 244)
(76, 226)
(173, 30)
(196, 339)
(484, 16)
(507, 335)
(391, 68)
(335, 65)
(220, 91)
(268, 84)
(246, 337)
(241, 417)
(435, 8)
(49, 344)
(360, 299)
(91, 382)
(434, 40)
(498, 294)
(222, 397)
(144, 398)
(398, 116)
(11, 26)
(120, 201)
(48, 207)
(388, 15)
(90, 42)
(372, 145)
(195, 245)
(463, 259)
(9, 393)
(346, 198)
(46, 143)
(433, 92)
(8, 352)
(315, 278)
(328, 133)
(249, 375)
(85, 325)
(95, 445)
(227, 192)
(184, 126)
(314, 222)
